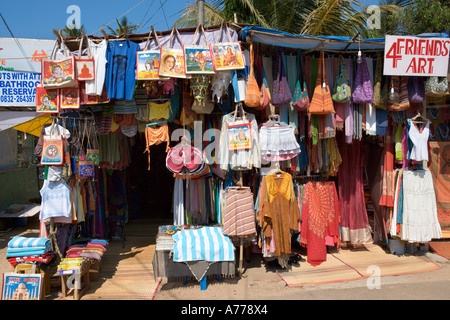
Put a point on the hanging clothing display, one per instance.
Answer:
(244, 158)
(156, 136)
(320, 219)
(278, 142)
(280, 211)
(419, 213)
(355, 226)
(120, 75)
(239, 217)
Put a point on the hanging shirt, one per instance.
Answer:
(120, 69)
(244, 159)
(158, 110)
(419, 139)
(56, 201)
(98, 51)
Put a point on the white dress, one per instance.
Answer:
(420, 220)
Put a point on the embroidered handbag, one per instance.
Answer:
(321, 102)
(252, 94)
(280, 92)
(363, 92)
(342, 91)
(199, 86)
(301, 98)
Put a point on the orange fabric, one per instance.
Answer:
(155, 136)
(440, 171)
(252, 96)
(321, 102)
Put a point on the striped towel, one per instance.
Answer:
(24, 242)
(207, 243)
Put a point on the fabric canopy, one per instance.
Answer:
(9, 119)
(33, 125)
(327, 43)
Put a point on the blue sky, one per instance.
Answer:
(36, 19)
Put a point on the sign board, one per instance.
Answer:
(20, 70)
(416, 56)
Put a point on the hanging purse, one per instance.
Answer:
(300, 100)
(398, 94)
(171, 60)
(380, 89)
(198, 59)
(69, 98)
(416, 89)
(342, 91)
(321, 102)
(199, 85)
(147, 61)
(280, 92)
(84, 65)
(252, 94)
(58, 73)
(227, 55)
(84, 167)
(92, 152)
(47, 100)
(363, 92)
(52, 148)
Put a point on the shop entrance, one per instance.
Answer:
(152, 189)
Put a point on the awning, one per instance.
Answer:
(26, 121)
(327, 43)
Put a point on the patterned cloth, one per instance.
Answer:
(239, 218)
(320, 219)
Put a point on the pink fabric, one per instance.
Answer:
(351, 189)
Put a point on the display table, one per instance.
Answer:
(165, 267)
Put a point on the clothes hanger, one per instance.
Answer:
(156, 123)
(419, 116)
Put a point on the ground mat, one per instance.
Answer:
(356, 263)
(440, 248)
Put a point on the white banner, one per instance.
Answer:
(416, 56)
(20, 69)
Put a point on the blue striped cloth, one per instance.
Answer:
(207, 243)
(25, 242)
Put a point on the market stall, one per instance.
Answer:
(255, 137)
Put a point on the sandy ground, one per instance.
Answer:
(260, 282)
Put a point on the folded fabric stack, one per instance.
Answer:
(87, 248)
(40, 260)
(25, 247)
(71, 265)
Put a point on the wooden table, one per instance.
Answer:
(80, 284)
